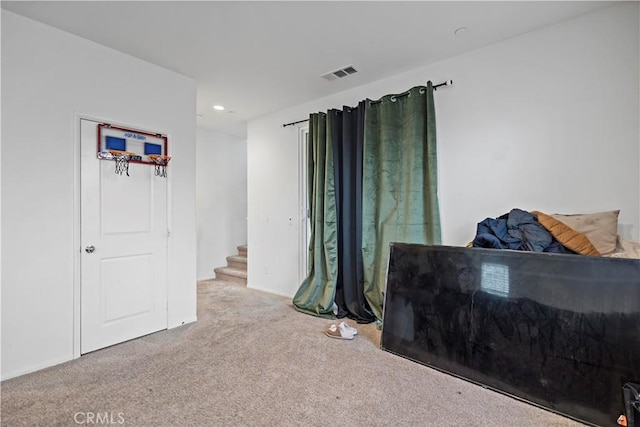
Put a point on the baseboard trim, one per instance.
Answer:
(182, 322)
(35, 368)
(269, 291)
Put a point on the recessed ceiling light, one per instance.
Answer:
(218, 107)
(460, 31)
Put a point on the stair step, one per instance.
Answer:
(236, 269)
(231, 274)
(238, 262)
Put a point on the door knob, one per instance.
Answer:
(90, 249)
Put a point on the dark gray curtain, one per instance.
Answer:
(348, 141)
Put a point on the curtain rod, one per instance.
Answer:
(447, 83)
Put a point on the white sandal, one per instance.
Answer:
(339, 332)
(350, 329)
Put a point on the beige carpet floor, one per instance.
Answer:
(252, 360)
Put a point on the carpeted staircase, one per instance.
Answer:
(236, 269)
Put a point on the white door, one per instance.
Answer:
(124, 249)
(303, 201)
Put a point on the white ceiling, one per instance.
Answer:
(262, 56)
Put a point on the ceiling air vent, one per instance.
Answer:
(338, 74)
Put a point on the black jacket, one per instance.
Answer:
(518, 230)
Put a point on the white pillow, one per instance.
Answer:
(601, 228)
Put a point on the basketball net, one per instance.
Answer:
(160, 163)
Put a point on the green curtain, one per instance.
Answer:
(317, 292)
(399, 193)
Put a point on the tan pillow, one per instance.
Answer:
(567, 236)
(601, 228)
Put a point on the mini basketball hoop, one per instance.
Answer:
(121, 158)
(160, 162)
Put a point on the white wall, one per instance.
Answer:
(0, 201)
(48, 78)
(221, 195)
(548, 120)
